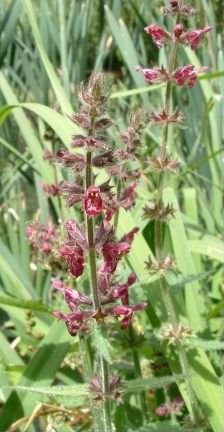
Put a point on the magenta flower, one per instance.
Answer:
(193, 37)
(71, 296)
(75, 321)
(121, 290)
(155, 75)
(187, 75)
(183, 75)
(74, 256)
(93, 203)
(126, 313)
(112, 253)
(159, 34)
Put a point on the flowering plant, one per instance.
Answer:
(91, 245)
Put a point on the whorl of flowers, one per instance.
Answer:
(99, 202)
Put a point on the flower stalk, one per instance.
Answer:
(180, 76)
(94, 240)
(172, 317)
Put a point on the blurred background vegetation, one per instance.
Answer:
(46, 49)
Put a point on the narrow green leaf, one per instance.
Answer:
(62, 126)
(207, 345)
(40, 371)
(58, 89)
(139, 384)
(126, 47)
(165, 427)
(208, 246)
(176, 282)
(133, 92)
(27, 131)
(34, 305)
(20, 284)
(73, 391)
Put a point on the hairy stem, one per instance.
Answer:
(90, 227)
(86, 355)
(165, 292)
(106, 391)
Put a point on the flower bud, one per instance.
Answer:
(178, 30)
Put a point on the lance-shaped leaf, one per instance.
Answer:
(137, 385)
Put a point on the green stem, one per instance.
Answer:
(172, 317)
(138, 372)
(116, 217)
(106, 392)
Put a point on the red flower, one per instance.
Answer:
(71, 296)
(93, 202)
(74, 256)
(187, 75)
(112, 253)
(193, 37)
(178, 30)
(155, 75)
(159, 34)
(126, 312)
(121, 290)
(75, 321)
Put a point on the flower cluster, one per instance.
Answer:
(181, 76)
(160, 35)
(114, 388)
(42, 237)
(176, 7)
(45, 240)
(99, 202)
(186, 75)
